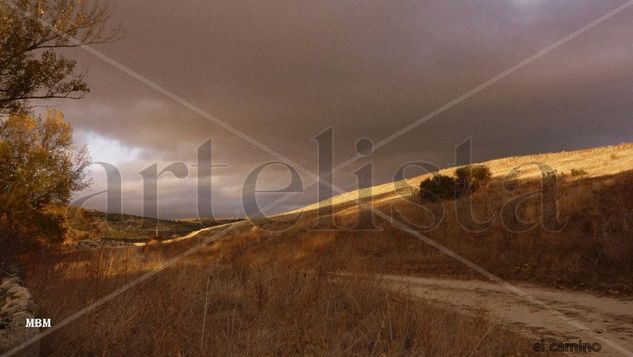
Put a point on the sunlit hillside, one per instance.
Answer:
(592, 162)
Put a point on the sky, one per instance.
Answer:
(281, 72)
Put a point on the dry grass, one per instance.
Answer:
(249, 294)
(594, 250)
(204, 307)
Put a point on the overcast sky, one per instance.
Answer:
(283, 71)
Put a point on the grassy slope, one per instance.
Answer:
(593, 251)
(597, 162)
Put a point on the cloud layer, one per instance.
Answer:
(284, 71)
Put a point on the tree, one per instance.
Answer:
(40, 167)
(30, 33)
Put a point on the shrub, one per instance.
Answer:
(438, 187)
(471, 178)
(467, 179)
(578, 172)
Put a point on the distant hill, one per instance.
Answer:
(98, 225)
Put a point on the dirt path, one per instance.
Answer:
(609, 320)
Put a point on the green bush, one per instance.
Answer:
(466, 181)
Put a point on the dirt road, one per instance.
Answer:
(608, 321)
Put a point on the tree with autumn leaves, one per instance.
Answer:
(40, 166)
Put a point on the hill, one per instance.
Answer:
(592, 250)
(283, 287)
(592, 162)
(97, 225)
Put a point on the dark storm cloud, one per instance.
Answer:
(283, 71)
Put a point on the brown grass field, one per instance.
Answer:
(268, 290)
(204, 307)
